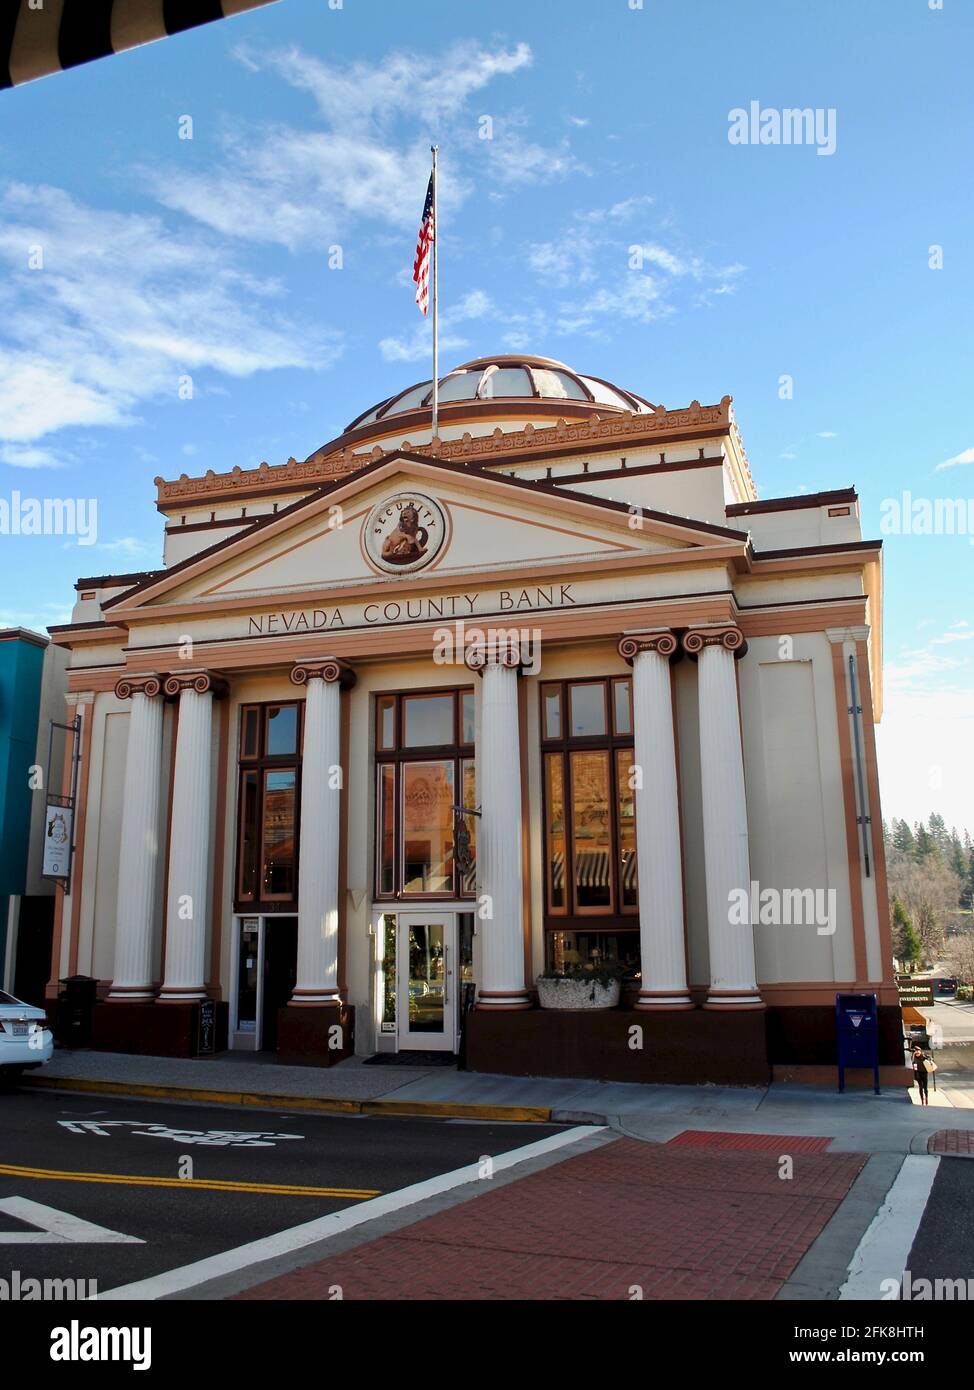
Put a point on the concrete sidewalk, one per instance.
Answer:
(857, 1121)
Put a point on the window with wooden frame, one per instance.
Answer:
(589, 804)
(268, 806)
(424, 756)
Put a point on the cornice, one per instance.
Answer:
(332, 462)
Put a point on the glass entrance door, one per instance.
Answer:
(426, 980)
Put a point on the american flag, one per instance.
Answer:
(424, 244)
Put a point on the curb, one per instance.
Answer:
(432, 1109)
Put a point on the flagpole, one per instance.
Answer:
(436, 336)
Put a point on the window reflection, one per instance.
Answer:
(278, 834)
(427, 826)
(592, 831)
(588, 710)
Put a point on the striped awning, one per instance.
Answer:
(591, 870)
(38, 39)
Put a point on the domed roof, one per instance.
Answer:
(507, 378)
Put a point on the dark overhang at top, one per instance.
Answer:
(37, 40)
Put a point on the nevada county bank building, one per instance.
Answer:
(401, 728)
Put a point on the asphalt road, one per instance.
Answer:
(123, 1165)
(944, 1244)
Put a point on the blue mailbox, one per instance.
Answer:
(857, 1034)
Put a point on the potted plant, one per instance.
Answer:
(580, 987)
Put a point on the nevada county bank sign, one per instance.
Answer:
(455, 607)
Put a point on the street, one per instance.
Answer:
(189, 1181)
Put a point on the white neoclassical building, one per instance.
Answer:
(398, 729)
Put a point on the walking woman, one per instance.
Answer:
(920, 1073)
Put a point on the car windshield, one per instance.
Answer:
(7, 998)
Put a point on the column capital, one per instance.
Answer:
(323, 668)
(203, 682)
(504, 652)
(141, 683)
(660, 640)
(726, 635)
(838, 635)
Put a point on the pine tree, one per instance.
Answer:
(938, 831)
(902, 837)
(925, 844)
(906, 943)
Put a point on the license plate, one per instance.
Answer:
(20, 1030)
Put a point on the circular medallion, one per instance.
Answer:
(405, 532)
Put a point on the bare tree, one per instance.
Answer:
(960, 957)
(929, 891)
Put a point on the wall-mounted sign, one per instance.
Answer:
(918, 994)
(58, 848)
(473, 608)
(405, 533)
(58, 824)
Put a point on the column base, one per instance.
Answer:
(504, 999)
(181, 996)
(663, 1000)
(130, 994)
(315, 998)
(734, 999)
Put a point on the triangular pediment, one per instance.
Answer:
(408, 517)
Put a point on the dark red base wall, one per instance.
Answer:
(305, 1035)
(154, 1030)
(804, 1035)
(733, 1048)
(677, 1048)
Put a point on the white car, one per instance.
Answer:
(25, 1039)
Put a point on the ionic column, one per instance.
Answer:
(499, 830)
(659, 853)
(316, 981)
(189, 837)
(139, 845)
(732, 975)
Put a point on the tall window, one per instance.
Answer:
(267, 806)
(424, 768)
(589, 818)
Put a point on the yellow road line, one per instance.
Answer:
(13, 1170)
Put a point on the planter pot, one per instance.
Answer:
(578, 994)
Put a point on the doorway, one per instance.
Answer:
(266, 971)
(425, 970)
(424, 978)
(280, 974)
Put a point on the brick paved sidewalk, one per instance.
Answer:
(679, 1222)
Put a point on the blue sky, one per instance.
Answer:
(311, 129)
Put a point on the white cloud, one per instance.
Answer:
(17, 456)
(362, 95)
(640, 280)
(967, 456)
(514, 161)
(827, 434)
(120, 311)
(129, 546)
(309, 188)
(417, 345)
